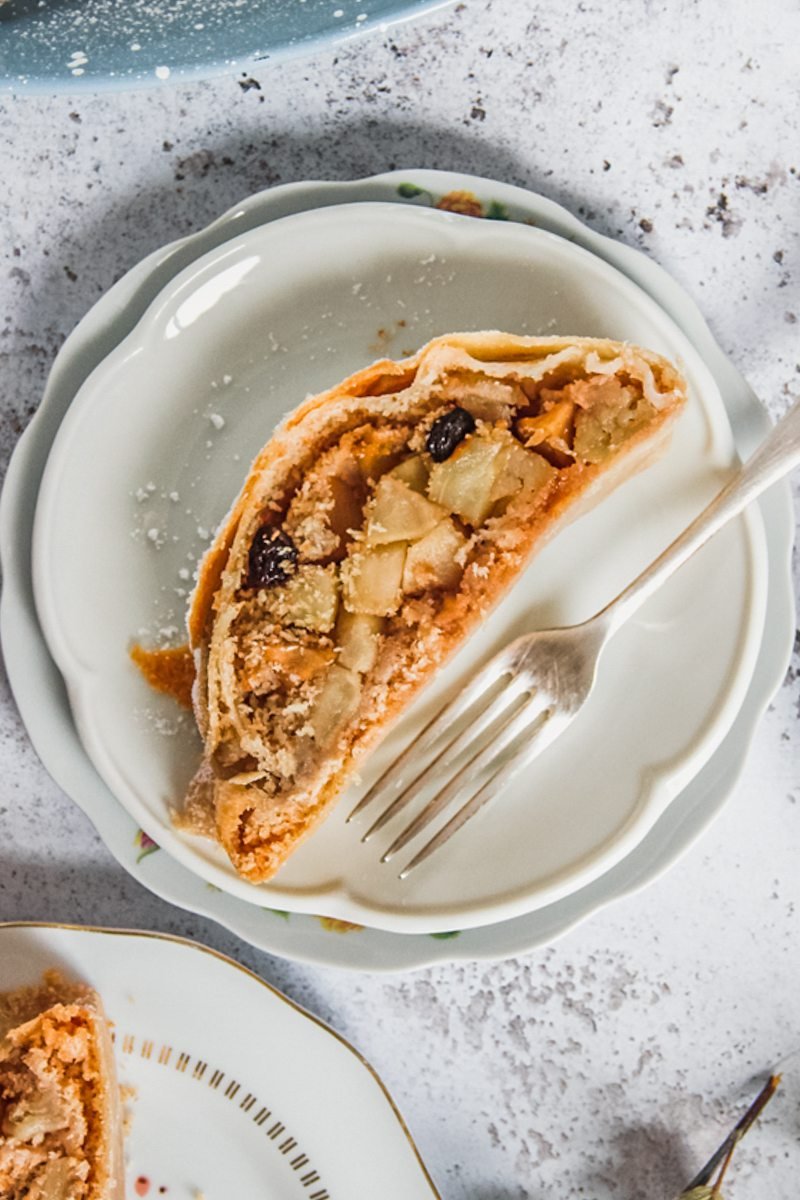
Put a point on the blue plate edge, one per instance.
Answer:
(67, 84)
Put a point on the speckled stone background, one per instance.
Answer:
(608, 1065)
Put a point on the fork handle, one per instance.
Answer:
(777, 455)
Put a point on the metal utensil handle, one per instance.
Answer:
(777, 455)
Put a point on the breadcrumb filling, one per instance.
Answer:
(52, 1128)
(393, 531)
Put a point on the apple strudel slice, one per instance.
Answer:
(375, 530)
(60, 1120)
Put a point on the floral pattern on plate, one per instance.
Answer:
(458, 201)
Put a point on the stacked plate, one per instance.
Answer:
(155, 407)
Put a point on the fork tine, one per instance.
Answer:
(515, 724)
(429, 735)
(551, 727)
(450, 751)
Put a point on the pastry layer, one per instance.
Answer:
(60, 1125)
(375, 530)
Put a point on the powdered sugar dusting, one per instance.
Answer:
(134, 41)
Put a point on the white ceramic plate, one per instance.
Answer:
(39, 691)
(155, 447)
(237, 1092)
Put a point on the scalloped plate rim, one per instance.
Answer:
(85, 687)
(107, 322)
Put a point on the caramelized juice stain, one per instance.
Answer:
(169, 671)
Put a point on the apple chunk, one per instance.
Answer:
(601, 429)
(309, 598)
(357, 638)
(414, 472)
(517, 469)
(371, 580)
(398, 514)
(431, 562)
(552, 425)
(483, 471)
(336, 702)
(463, 483)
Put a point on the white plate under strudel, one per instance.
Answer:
(154, 447)
(39, 690)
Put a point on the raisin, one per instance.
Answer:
(447, 431)
(273, 558)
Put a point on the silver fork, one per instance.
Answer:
(528, 694)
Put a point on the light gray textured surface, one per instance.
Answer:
(609, 1065)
